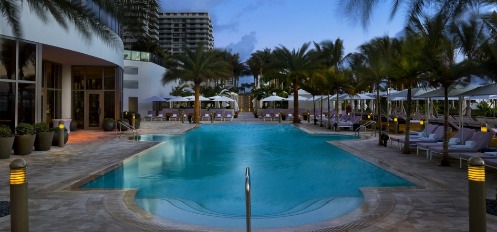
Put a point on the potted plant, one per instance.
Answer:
(44, 136)
(56, 131)
(25, 139)
(6, 141)
(108, 124)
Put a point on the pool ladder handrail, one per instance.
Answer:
(247, 199)
(128, 126)
(364, 126)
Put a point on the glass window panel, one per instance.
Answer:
(26, 103)
(78, 109)
(78, 78)
(135, 55)
(27, 61)
(52, 75)
(94, 78)
(127, 54)
(53, 108)
(109, 78)
(109, 104)
(7, 103)
(7, 59)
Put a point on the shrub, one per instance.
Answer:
(5, 131)
(24, 129)
(41, 127)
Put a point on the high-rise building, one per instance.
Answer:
(140, 21)
(185, 30)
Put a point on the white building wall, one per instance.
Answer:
(149, 84)
(50, 33)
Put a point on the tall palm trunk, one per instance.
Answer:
(296, 118)
(378, 114)
(196, 108)
(407, 149)
(445, 154)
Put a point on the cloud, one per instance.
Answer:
(244, 47)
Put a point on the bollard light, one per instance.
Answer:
(18, 172)
(421, 122)
(477, 195)
(369, 116)
(395, 119)
(133, 122)
(61, 133)
(19, 196)
(484, 127)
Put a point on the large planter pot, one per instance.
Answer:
(23, 144)
(74, 125)
(55, 140)
(43, 141)
(6, 147)
(108, 125)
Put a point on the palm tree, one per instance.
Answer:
(64, 13)
(197, 66)
(407, 67)
(371, 67)
(439, 52)
(363, 9)
(258, 63)
(295, 65)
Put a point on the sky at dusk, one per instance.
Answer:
(244, 26)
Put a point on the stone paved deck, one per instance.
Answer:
(438, 203)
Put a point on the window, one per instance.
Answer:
(127, 84)
(131, 70)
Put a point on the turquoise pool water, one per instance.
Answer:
(199, 177)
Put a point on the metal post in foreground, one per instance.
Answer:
(308, 117)
(19, 196)
(61, 134)
(477, 195)
(133, 121)
(247, 198)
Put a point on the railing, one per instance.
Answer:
(364, 126)
(247, 198)
(120, 124)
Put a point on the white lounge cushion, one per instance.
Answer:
(469, 144)
(422, 134)
(490, 153)
(454, 141)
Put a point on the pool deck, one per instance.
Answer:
(438, 203)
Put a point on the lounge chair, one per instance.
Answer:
(206, 116)
(429, 129)
(150, 116)
(160, 115)
(174, 116)
(267, 115)
(478, 141)
(218, 115)
(460, 137)
(434, 137)
(228, 115)
(490, 158)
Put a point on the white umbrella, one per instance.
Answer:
(221, 98)
(485, 92)
(299, 98)
(454, 90)
(202, 98)
(415, 92)
(179, 99)
(355, 97)
(153, 99)
(273, 98)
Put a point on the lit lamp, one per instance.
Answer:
(369, 116)
(477, 194)
(484, 127)
(61, 133)
(396, 125)
(19, 195)
(421, 124)
(133, 121)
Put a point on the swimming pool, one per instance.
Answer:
(198, 177)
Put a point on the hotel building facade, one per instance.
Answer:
(53, 73)
(185, 30)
